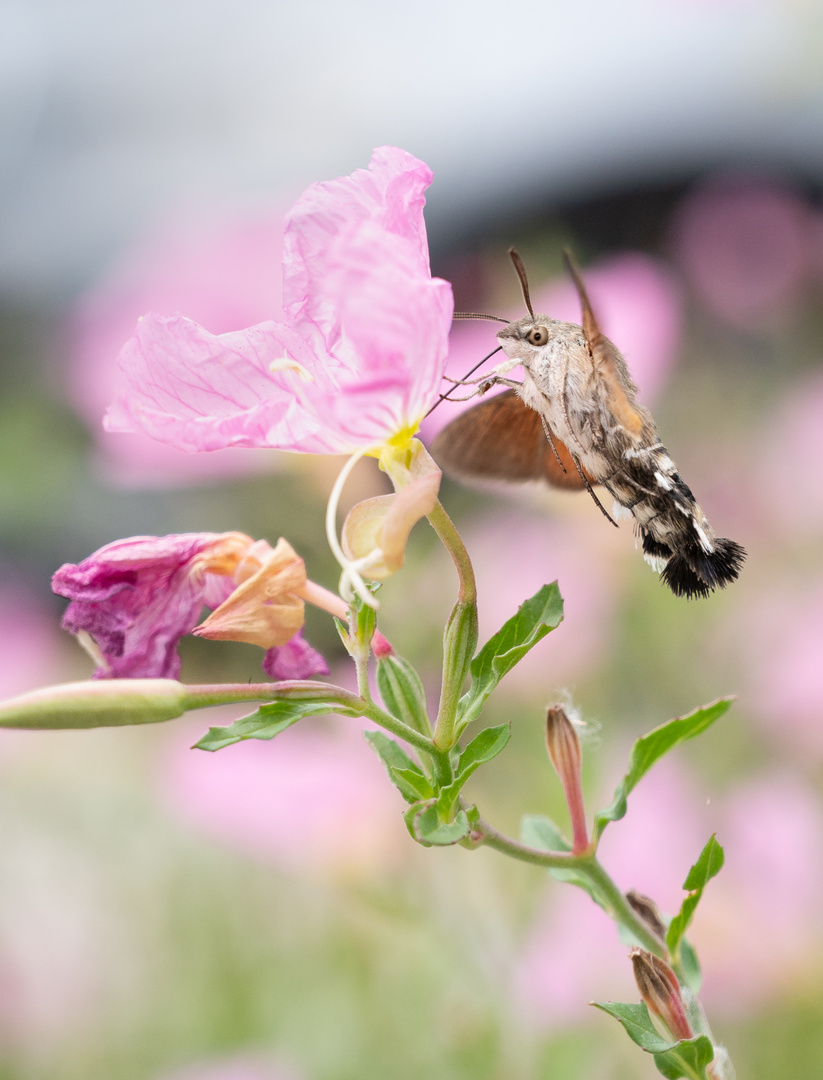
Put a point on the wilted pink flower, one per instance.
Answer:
(136, 598)
(356, 363)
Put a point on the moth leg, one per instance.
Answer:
(590, 490)
(550, 438)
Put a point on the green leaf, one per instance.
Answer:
(541, 832)
(429, 829)
(687, 1058)
(398, 766)
(690, 966)
(638, 1024)
(269, 720)
(534, 619)
(650, 748)
(402, 692)
(483, 747)
(709, 863)
(413, 781)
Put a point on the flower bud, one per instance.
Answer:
(402, 691)
(646, 909)
(563, 746)
(96, 703)
(660, 992)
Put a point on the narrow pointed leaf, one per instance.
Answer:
(709, 863)
(650, 748)
(483, 747)
(534, 619)
(269, 720)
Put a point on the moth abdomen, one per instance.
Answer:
(692, 572)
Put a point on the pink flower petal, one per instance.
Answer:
(367, 327)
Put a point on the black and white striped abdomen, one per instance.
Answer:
(678, 540)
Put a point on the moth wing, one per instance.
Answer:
(608, 361)
(502, 438)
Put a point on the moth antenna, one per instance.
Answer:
(445, 397)
(591, 490)
(524, 281)
(477, 315)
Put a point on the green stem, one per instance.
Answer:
(396, 727)
(587, 865)
(460, 636)
(451, 540)
(442, 768)
(361, 664)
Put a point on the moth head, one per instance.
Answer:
(523, 339)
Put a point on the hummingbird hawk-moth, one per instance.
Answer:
(574, 423)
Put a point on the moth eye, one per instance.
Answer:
(538, 335)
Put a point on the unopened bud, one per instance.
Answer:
(402, 691)
(646, 909)
(660, 992)
(563, 746)
(96, 703)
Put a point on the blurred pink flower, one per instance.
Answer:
(758, 932)
(781, 639)
(29, 645)
(744, 245)
(223, 275)
(138, 597)
(637, 303)
(245, 1067)
(789, 480)
(356, 363)
(316, 797)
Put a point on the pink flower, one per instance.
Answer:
(358, 360)
(222, 274)
(136, 598)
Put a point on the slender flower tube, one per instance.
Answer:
(133, 600)
(563, 746)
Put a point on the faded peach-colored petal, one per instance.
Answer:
(264, 609)
(380, 527)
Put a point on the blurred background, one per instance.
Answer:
(260, 913)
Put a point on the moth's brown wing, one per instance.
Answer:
(503, 439)
(607, 359)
